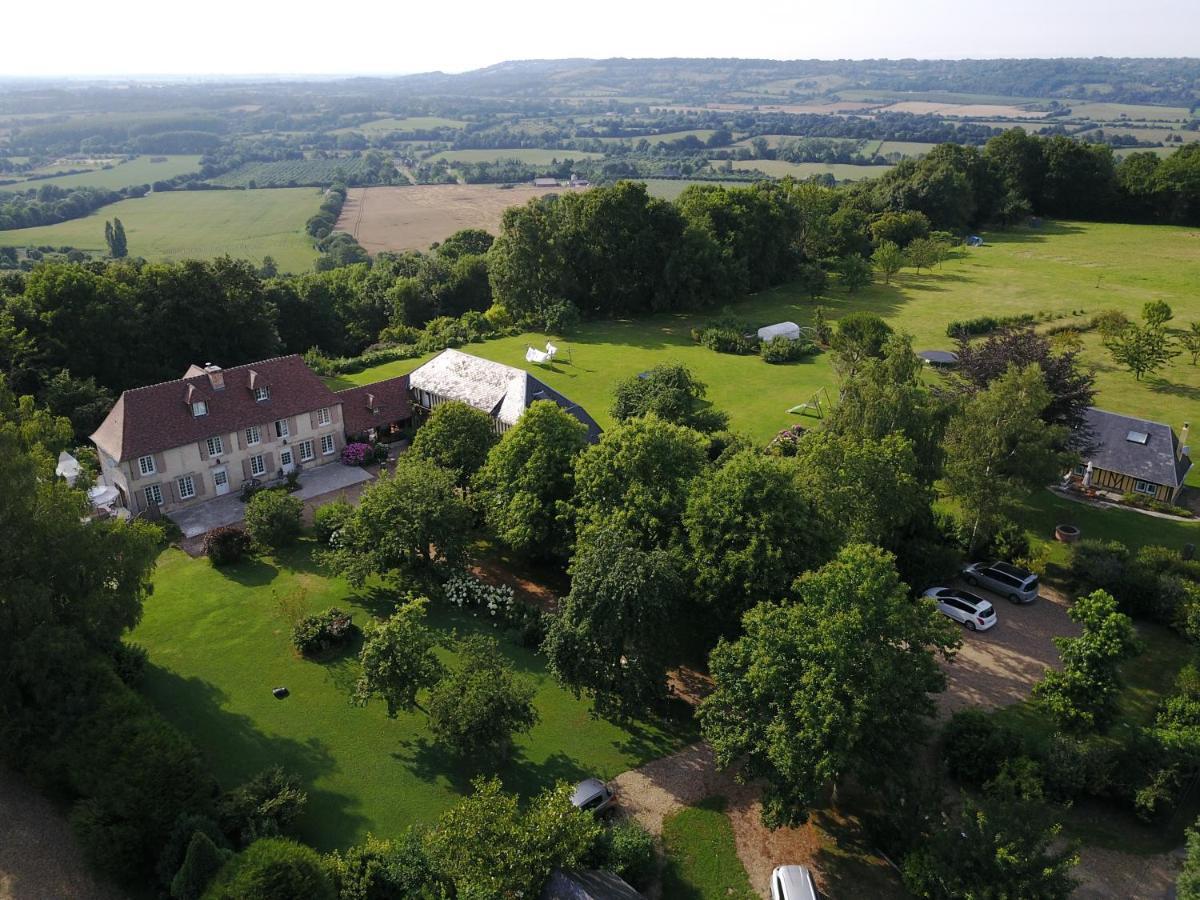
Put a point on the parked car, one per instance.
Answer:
(594, 796)
(1017, 584)
(964, 607)
(792, 883)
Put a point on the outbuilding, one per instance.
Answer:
(789, 330)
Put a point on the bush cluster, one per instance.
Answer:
(988, 324)
(785, 350)
(357, 454)
(727, 334)
(1155, 583)
(329, 519)
(324, 631)
(273, 518)
(226, 545)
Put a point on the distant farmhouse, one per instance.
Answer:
(1134, 456)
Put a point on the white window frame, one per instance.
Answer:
(328, 441)
(281, 428)
(199, 408)
(261, 394)
(153, 495)
(253, 436)
(146, 465)
(306, 453)
(216, 446)
(258, 465)
(323, 417)
(1148, 488)
(187, 487)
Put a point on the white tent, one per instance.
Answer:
(103, 495)
(789, 330)
(68, 467)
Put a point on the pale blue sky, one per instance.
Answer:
(384, 36)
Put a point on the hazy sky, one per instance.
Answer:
(317, 36)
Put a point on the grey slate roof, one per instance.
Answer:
(1157, 460)
(592, 884)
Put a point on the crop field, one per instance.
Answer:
(410, 123)
(412, 218)
(1115, 112)
(962, 110)
(670, 188)
(139, 170)
(904, 148)
(534, 156)
(778, 168)
(702, 134)
(203, 224)
(292, 172)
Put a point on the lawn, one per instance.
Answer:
(701, 858)
(219, 641)
(139, 170)
(182, 224)
(1057, 269)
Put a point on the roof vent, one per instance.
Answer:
(1137, 437)
(215, 376)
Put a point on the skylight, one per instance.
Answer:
(1137, 437)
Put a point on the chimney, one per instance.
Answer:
(1183, 439)
(215, 376)
(371, 403)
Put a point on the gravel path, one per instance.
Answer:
(39, 859)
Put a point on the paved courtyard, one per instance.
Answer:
(229, 510)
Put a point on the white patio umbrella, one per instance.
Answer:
(1087, 475)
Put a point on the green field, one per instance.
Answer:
(701, 857)
(904, 148)
(135, 171)
(670, 188)
(410, 123)
(531, 155)
(293, 172)
(1115, 112)
(777, 168)
(219, 641)
(181, 224)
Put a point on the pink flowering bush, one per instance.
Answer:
(357, 454)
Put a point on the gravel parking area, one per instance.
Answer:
(1000, 666)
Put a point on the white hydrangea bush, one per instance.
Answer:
(466, 591)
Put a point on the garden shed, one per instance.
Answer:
(789, 330)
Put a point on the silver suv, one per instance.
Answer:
(1012, 582)
(594, 796)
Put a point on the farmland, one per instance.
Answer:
(181, 224)
(778, 168)
(293, 172)
(140, 170)
(532, 156)
(406, 124)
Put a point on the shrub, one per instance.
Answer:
(357, 454)
(1110, 322)
(386, 870)
(273, 869)
(316, 634)
(1009, 541)
(560, 318)
(226, 545)
(262, 807)
(976, 746)
(786, 442)
(988, 324)
(784, 350)
(468, 591)
(330, 518)
(273, 519)
(627, 849)
(176, 847)
(201, 863)
(129, 662)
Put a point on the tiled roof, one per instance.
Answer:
(1157, 460)
(375, 404)
(158, 417)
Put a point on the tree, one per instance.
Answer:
(1191, 341)
(476, 709)
(265, 806)
(859, 337)
(457, 438)
(998, 448)
(486, 846)
(398, 659)
(114, 237)
(526, 483)
(200, 865)
(273, 869)
(1142, 349)
(669, 391)
(831, 686)
(923, 253)
(639, 475)
(888, 259)
(405, 523)
(855, 272)
(1072, 390)
(864, 488)
(273, 518)
(380, 869)
(751, 529)
(1083, 695)
(995, 848)
(1187, 886)
(612, 634)
(1157, 313)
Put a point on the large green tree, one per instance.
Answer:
(526, 484)
(836, 684)
(398, 659)
(456, 437)
(1142, 349)
(670, 391)
(859, 336)
(613, 635)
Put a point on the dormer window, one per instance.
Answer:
(199, 408)
(261, 394)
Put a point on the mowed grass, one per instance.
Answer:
(139, 170)
(534, 156)
(701, 857)
(778, 168)
(219, 641)
(203, 224)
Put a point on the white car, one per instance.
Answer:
(792, 883)
(964, 607)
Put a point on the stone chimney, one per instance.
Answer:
(215, 376)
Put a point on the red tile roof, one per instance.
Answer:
(158, 417)
(373, 405)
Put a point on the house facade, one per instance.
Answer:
(501, 391)
(182, 442)
(1135, 456)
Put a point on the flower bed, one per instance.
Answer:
(357, 454)
(467, 592)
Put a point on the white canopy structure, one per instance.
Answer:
(789, 330)
(103, 495)
(534, 355)
(68, 467)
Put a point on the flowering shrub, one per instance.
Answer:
(316, 634)
(465, 591)
(357, 454)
